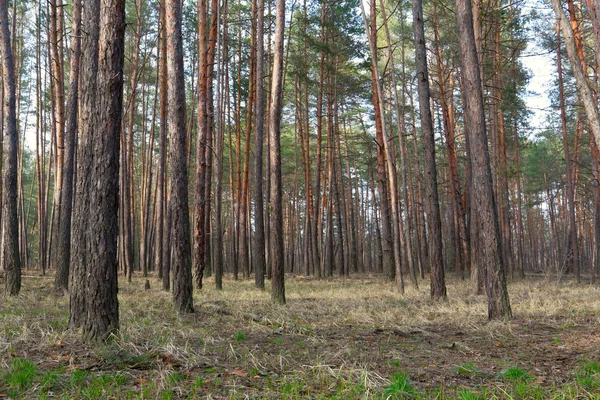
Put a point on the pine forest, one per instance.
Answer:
(288, 199)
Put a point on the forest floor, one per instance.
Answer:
(342, 338)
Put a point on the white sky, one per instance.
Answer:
(543, 72)
(540, 64)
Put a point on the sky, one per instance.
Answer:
(541, 66)
(542, 70)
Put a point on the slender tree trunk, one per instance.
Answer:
(389, 159)
(178, 204)
(277, 255)
(573, 246)
(58, 86)
(438, 282)
(259, 237)
(162, 227)
(63, 255)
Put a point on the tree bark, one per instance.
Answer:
(63, 255)
(259, 223)
(277, 255)
(180, 225)
(93, 283)
(11, 260)
(485, 207)
(438, 281)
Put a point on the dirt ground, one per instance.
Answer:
(340, 338)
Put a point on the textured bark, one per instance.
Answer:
(485, 207)
(102, 305)
(223, 109)
(259, 236)
(93, 283)
(204, 148)
(199, 249)
(63, 254)
(180, 225)
(58, 88)
(11, 260)
(434, 221)
(162, 232)
(276, 240)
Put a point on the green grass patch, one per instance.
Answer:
(468, 370)
(400, 387)
(21, 374)
(516, 374)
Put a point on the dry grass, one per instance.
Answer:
(334, 339)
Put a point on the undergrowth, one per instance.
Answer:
(335, 339)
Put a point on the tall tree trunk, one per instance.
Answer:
(573, 246)
(58, 87)
(485, 207)
(93, 283)
(389, 160)
(178, 204)
(162, 228)
(259, 223)
(199, 256)
(11, 260)
(382, 182)
(438, 282)
(277, 255)
(63, 254)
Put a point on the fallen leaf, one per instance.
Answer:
(238, 372)
(140, 381)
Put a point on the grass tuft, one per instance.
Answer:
(400, 387)
(21, 374)
(516, 374)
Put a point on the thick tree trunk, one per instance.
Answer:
(11, 260)
(93, 283)
(485, 207)
(180, 225)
